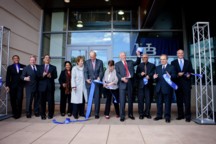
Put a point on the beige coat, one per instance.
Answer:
(78, 81)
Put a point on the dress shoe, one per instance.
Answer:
(97, 117)
(37, 114)
(50, 117)
(76, 117)
(62, 114)
(187, 119)
(167, 120)
(28, 116)
(179, 118)
(69, 114)
(131, 117)
(107, 117)
(43, 117)
(157, 118)
(148, 116)
(82, 115)
(122, 119)
(141, 117)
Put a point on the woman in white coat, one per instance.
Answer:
(79, 91)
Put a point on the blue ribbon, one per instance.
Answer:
(145, 81)
(198, 75)
(170, 82)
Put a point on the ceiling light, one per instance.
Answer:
(79, 24)
(123, 18)
(145, 12)
(108, 13)
(120, 12)
(106, 0)
(66, 1)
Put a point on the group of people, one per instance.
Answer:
(118, 79)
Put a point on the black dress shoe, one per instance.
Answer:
(179, 118)
(82, 115)
(167, 120)
(43, 117)
(122, 119)
(141, 117)
(157, 118)
(76, 117)
(131, 117)
(37, 114)
(96, 116)
(62, 114)
(50, 117)
(148, 116)
(28, 116)
(69, 114)
(187, 119)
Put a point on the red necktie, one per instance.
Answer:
(126, 68)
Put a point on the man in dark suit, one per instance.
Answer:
(163, 89)
(30, 76)
(15, 86)
(145, 70)
(93, 70)
(125, 73)
(48, 74)
(183, 68)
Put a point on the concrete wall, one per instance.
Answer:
(23, 18)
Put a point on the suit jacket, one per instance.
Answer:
(13, 79)
(31, 85)
(121, 72)
(89, 73)
(150, 72)
(187, 68)
(161, 84)
(46, 82)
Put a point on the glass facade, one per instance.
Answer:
(68, 33)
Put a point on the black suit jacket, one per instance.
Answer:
(150, 73)
(89, 73)
(31, 85)
(121, 72)
(13, 79)
(161, 84)
(187, 68)
(46, 83)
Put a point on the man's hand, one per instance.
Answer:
(188, 75)
(180, 74)
(7, 89)
(124, 79)
(155, 76)
(88, 81)
(143, 73)
(27, 78)
(147, 77)
(138, 53)
(44, 74)
(49, 75)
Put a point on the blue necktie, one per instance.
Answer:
(181, 64)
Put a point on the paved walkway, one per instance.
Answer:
(103, 131)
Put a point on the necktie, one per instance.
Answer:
(93, 65)
(17, 68)
(46, 68)
(126, 68)
(181, 64)
(145, 67)
(34, 69)
(163, 69)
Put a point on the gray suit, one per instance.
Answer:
(121, 72)
(90, 73)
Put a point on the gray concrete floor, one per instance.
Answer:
(106, 131)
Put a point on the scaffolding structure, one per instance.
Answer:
(203, 65)
(4, 61)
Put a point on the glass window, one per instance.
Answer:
(54, 44)
(89, 20)
(55, 21)
(125, 19)
(90, 38)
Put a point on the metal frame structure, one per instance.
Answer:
(4, 62)
(203, 65)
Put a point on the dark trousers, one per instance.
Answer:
(144, 93)
(16, 98)
(78, 108)
(30, 96)
(96, 98)
(183, 99)
(65, 99)
(122, 99)
(47, 96)
(109, 95)
(167, 99)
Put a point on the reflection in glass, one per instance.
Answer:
(75, 54)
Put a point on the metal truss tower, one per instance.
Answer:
(4, 61)
(203, 65)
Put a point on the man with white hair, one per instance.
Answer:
(125, 73)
